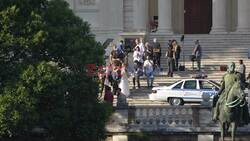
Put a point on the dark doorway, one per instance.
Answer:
(198, 16)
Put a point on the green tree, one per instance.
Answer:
(44, 49)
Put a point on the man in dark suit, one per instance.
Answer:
(170, 59)
(177, 53)
(156, 53)
(198, 54)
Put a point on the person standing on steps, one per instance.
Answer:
(142, 47)
(156, 53)
(108, 97)
(148, 68)
(177, 53)
(170, 60)
(242, 70)
(121, 51)
(148, 51)
(137, 66)
(197, 52)
(124, 84)
(248, 87)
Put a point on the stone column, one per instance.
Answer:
(140, 15)
(165, 16)
(219, 16)
(243, 16)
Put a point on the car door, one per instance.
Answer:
(207, 88)
(177, 90)
(191, 92)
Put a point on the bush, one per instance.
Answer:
(44, 49)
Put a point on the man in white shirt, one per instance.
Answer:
(137, 55)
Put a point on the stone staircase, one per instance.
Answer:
(217, 50)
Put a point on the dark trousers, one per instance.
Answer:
(176, 64)
(170, 66)
(157, 60)
(137, 79)
(115, 86)
(198, 63)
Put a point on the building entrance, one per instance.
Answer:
(197, 16)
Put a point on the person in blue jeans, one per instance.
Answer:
(148, 68)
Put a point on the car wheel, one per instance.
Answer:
(176, 101)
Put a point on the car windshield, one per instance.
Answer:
(175, 82)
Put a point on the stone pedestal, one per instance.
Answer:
(205, 137)
(120, 138)
(118, 122)
(165, 16)
(122, 102)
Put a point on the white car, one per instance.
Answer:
(188, 90)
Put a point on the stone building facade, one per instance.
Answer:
(111, 18)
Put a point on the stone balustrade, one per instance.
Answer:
(192, 118)
(188, 119)
(162, 116)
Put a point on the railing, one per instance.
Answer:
(166, 116)
(190, 118)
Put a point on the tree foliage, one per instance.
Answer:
(44, 49)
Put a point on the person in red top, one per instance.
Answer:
(108, 97)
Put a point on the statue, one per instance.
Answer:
(229, 105)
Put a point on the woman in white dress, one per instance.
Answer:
(124, 85)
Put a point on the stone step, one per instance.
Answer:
(166, 83)
(167, 79)
(228, 56)
(202, 36)
(212, 48)
(220, 49)
(210, 43)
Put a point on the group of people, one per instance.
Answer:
(146, 59)
(115, 79)
(173, 55)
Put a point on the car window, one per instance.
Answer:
(215, 83)
(206, 85)
(178, 86)
(190, 84)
